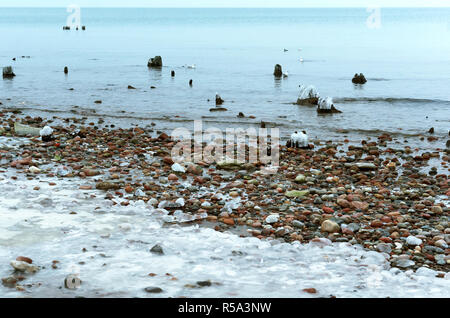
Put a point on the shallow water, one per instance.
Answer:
(406, 61)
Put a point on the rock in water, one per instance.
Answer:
(308, 96)
(8, 72)
(155, 62)
(325, 106)
(219, 100)
(359, 79)
(218, 109)
(278, 71)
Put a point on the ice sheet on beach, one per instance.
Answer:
(9, 142)
(116, 261)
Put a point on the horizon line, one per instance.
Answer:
(225, 7)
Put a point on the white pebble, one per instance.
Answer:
(34, 169)
(272, 218)
(178, 168)
(180, 202)
(412, 240)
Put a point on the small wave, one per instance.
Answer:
(390, 100)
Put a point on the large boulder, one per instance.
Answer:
(155, 62)
(8, 72)
(359, 79)
(278, 71)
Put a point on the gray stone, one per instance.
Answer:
(384, 248)
(153, 290)
(300, 178)
(205, 283)
(298, 224)
(366, 166)
(403, 263)
(440, 259)
(354, 227)
(318, 200)
(157, 249)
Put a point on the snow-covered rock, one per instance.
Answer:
(178, 168)
(46, 131)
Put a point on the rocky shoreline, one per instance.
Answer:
(394, 201)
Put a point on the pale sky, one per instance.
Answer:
(226, 3)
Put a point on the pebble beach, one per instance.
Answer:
(115, 201)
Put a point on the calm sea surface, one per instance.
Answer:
(406, 62)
